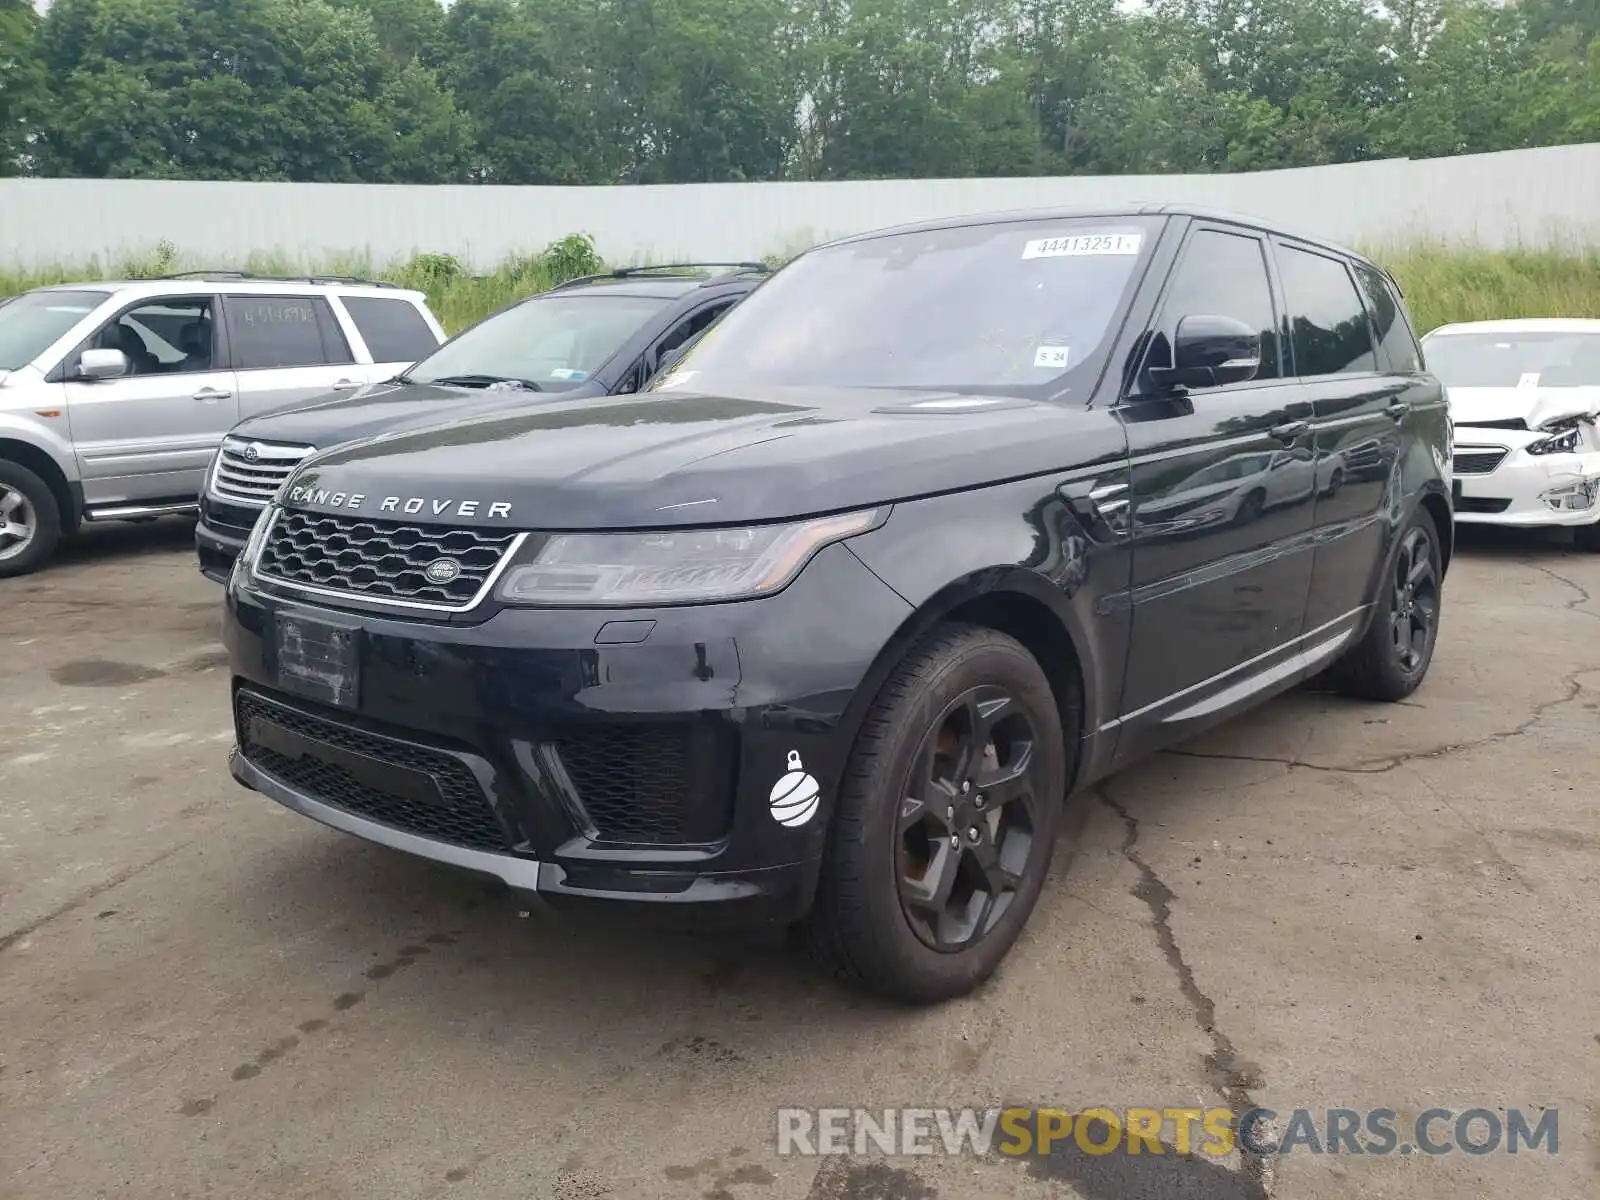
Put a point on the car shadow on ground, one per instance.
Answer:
(1489, 541)
(123, 539)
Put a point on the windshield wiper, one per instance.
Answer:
(483, 381)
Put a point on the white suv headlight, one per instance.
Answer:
(1564, 441)
(672, 566)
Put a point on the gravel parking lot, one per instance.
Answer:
(1323, 904)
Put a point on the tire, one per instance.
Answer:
(1382, 666)
(26, 502)
(1250, 508)
(871, 922)
(1587, 538)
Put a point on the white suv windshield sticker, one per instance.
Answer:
(1050, 356)
(1081, 244)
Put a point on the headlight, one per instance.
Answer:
(674, 566)
(1564, 442)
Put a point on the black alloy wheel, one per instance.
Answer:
(946, 818)
(1393, 655)
(968, 818)
(1414, 606)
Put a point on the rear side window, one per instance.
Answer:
(284, 331)
(1224, 275)
(1327, 321)
(393, 329)
(1394, 331)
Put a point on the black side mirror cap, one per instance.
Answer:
(1210, 351)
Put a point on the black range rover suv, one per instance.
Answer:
(936, 529)
(596, 335)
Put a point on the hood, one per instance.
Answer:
(1534, 406)
(680, 458)
(377, 409)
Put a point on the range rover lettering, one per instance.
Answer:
(829, 626)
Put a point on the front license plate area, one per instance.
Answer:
(318, 661)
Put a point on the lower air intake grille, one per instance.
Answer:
(634, 782)
(394, 783)
(381, 560)
(1473, 461)
(1476, 504)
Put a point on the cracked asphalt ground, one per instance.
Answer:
(1322, 904)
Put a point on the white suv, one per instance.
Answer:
(115, 396)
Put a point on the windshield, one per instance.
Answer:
(31, 322)
(1021, 306)
(1519, 359)
(554, 341)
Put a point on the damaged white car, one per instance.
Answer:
(1524, 397)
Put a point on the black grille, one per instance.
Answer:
(1475, 504)
(381, 560)
(403, 786)
(634, 781)
(1478, 462)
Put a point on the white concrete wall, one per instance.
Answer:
(1529, 197)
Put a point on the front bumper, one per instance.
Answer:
(1519, 491)
(219, 536)
(536, 747)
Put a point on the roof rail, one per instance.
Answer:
(684, 268)
(252, 277)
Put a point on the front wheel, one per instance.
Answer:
(30, 520)
(945, 822)
(1390, 661)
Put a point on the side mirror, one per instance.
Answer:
(102, 364)
(1210, 351)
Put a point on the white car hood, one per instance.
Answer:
(1536, 406)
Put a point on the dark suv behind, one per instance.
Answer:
(940, 526)
(597, 335)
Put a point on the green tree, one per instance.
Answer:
(239, 89)
(671, 91)
(22, 82)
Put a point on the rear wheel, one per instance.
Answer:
(1390, 661)
(30, 520)
(946, 820)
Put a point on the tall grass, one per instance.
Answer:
(1441, 283)
(1444, 284)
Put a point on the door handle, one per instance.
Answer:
(1289, 430)
(344, 385)
(1397, 410)
(209, 395)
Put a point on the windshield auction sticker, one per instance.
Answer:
(1083, 244)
